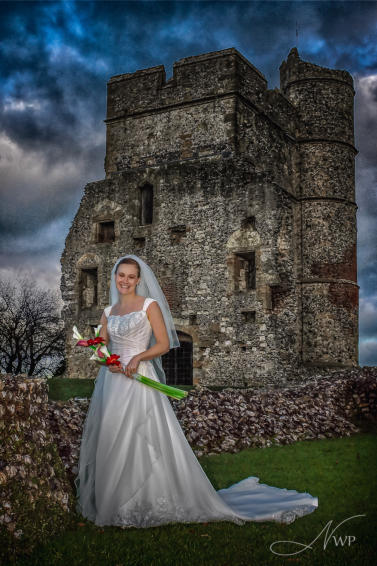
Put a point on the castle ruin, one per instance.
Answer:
(242, 200)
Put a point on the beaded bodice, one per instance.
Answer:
(129, 334)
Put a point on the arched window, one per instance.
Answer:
(146, 204)
(177, 363)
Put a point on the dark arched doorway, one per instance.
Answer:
(177, 363)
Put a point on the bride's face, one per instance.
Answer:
(126, 279)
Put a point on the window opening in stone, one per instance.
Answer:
(192, 319)
(248, 316)
(88, 288)
(177, 232)
(146, 204)
(245, 270)
(177, 363)
(139, 242)
(106, 231)
(248, 222)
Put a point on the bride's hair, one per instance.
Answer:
(132, 262)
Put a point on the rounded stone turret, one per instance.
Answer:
(324, 101)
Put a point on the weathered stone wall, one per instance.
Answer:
(192, 115)
(204, 130)
(324, 102)
(197, 77)
(35, 494)
(214, 200)
(328, 405)
(235, 168)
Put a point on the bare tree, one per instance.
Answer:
(31, 329)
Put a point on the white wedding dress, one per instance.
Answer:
(136, 466)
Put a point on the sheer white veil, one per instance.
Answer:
(148, 286)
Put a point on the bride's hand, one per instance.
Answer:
(115, 368)
(132, 366)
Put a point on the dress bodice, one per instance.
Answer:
(129, 334)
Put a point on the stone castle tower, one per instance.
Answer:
(242, 200)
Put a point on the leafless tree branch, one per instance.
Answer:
(31, 329)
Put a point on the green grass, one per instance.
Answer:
(61, 389)
(341, 472)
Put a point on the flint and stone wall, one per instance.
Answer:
(35, 493)
(235, 169)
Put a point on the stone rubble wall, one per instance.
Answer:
(35, 495)
(233, 419)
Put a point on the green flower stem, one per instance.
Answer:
(162, 387)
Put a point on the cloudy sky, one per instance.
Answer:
(56, 58)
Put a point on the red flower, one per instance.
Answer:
(113, 360)
(91, 341)
(99, 353)
(97, 340)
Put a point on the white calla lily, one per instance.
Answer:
(76, 334)
(96, 358)
(97, 330)
(105, 351)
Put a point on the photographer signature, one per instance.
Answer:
(328, 535)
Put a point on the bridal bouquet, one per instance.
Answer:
(104, 356)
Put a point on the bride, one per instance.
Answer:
(136, 467)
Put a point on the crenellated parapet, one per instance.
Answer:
(295, 70)
(194, 78)
(323, 97)
(193, 115)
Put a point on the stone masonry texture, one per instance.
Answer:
(252, 220)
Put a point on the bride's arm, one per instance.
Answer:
(162, 345)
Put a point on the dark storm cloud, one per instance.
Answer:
(366, 198)
(51, 110)
(55, 60)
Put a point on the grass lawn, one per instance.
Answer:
(341, 472)
(64, 389)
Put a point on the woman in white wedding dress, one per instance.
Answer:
(136, 466)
